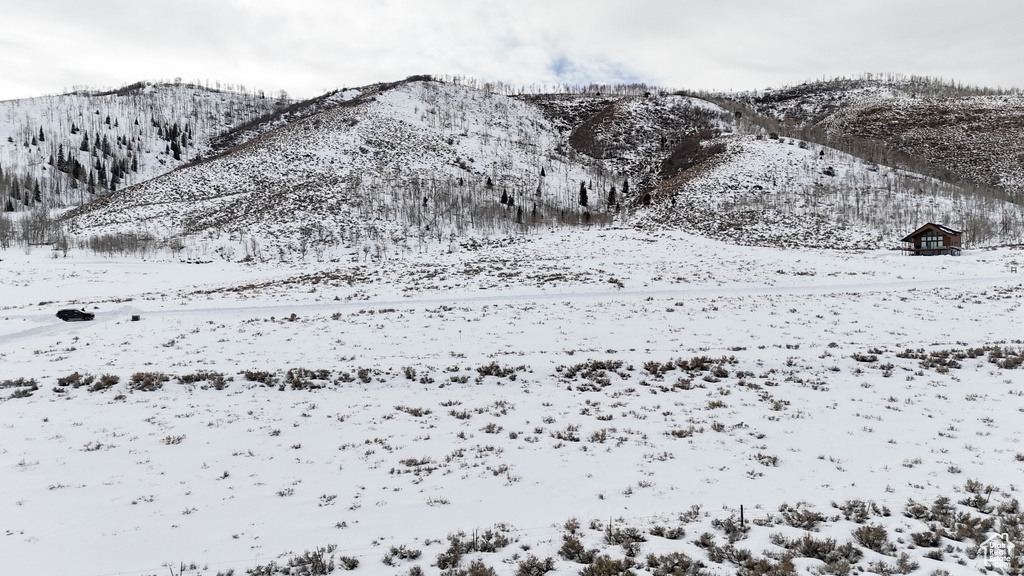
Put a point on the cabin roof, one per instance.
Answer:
(943, 229)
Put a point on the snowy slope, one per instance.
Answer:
(394, 166)
(787, 192)
(118, 138)
(417, 155)
(958, 132)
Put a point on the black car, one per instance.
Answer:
(72, 315)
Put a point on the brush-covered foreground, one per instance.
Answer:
(595, 402)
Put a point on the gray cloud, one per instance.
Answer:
(307, 46)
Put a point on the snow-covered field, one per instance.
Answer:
(613, 376)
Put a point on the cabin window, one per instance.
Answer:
(931, 240)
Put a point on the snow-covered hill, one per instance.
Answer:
(952, 131)
(413, 159)
(787, 192)
(67, 149)
(392, 167)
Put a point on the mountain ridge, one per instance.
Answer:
(67, 149)
(423, 159)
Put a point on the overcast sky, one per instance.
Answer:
(309, 46)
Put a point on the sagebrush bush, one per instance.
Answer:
(874, 537)
(956, 525)
(19, 382)
(499, 371)
(458, 546)
(533, 566)
(825, 549)
(732, 527)
(216, 379)
(799, 516)
(674, 564)
(623, 535)
(312, 562)
(400, 553)
(606, 566)
(594, 372)
(928, 538)
(265, 378)
(574, 551)
(70, 380)
(23, 392)
(475, 568)
(490, 541)
(106, 381)
(417, 412)
(305, 379)
(860, 511)
(675, 533)
(147, 381)
(904, 565)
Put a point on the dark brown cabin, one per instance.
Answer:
(932, 239)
